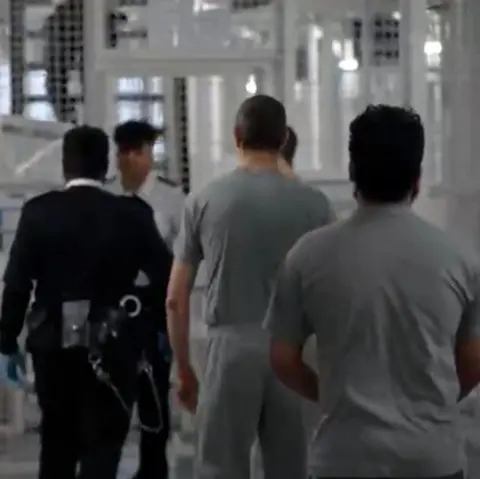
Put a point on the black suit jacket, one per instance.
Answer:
(79, 243)
(153, 293)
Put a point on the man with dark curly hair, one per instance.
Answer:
(394, 305)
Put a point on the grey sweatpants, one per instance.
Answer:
(240, 400)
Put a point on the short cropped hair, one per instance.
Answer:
(261, 124)
(135, 134)
(85, 151)
(290, 147)
(387, 145)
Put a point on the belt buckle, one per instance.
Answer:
(75, 330)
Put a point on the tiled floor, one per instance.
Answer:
(19, 455)
(18, 458)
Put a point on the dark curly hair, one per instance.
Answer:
(387, 145)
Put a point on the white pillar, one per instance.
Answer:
(199, 138)
(314, 60)
(95, 85)
(463, 172)
(231, 94)
(413, 34)
(330, 157)
(172, 133)
(367, 53)
(286, 14)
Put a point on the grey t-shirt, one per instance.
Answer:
(243, 225)
(384, 292)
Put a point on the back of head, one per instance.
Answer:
(85, 152)
(290, 147)
(261, 124)
(134, 134)
(387, 144)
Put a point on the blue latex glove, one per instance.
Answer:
(12, 369)
(164, 347)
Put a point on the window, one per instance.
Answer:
(130, 85)
(156, 113)
(39, 110)
(127, 110)
(35, 82)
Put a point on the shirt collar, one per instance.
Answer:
(83, 182)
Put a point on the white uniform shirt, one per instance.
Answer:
(167, 201)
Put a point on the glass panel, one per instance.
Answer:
(128, 110)
(5, 91)
(159, 148)
(159, 157)
(39, 110)
(130, 85)
(33, 50)
(156, 113)
(156, 85)
(35, 82)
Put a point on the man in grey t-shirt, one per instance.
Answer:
(395, 307)
(242, 226)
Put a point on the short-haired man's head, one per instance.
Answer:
(290, 147)
(85, 151)
(261, 124)
(134, 140)
(387, 145)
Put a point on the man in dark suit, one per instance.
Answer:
(79, 250)
(134, 141)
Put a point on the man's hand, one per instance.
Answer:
(287, 363)
(467, 358)
(187, 389)
(12, 369)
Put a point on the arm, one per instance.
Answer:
(169, 215)
(18, 284)
(157, 259)
(289, 331)
(175, 219)
(188, 255)
(467, 347)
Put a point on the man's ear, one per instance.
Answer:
(351, 171)
(236, 136)
(286, 137)
(415, 190)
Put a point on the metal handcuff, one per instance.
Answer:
(144, 367)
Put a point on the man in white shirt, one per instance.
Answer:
(134, 141)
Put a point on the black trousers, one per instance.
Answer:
(153, 446)
(83, 423)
